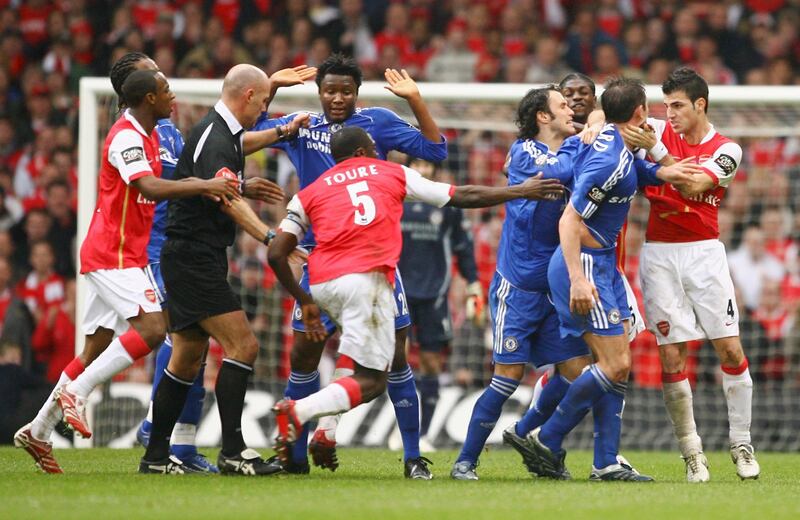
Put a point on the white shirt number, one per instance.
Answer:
(359, 200)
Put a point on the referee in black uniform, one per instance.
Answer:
(194, 265)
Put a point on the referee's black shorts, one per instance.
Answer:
(196, 278)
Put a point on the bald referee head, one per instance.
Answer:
(245, 91)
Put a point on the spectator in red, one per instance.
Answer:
(42, 287)
(10, 210)
(609, 18)
(686, 27)
(582, 41)
(53, 340)
(395, 32)
(12, 50)
(454, 62)
(33, 24)
(421, 49)
(709, 64)
(35, 227)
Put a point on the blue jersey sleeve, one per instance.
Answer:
(646, 173)
(594, 182)
(394, 133)
(265, 123)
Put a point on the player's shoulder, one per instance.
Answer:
(376, 113)
(125, 136)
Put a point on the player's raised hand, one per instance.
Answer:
(542, 189)
(293, 76)
(400, 83)
(582, 296)
(681, 174)
(639, 136)
(315, 330)
(263, 189)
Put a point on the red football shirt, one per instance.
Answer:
(674, 218)
(120, 228)
(355, 210)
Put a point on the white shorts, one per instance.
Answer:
(115, 295)
(362, 306)
(688, 291)
(636, 322)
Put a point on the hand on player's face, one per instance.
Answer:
(338, 95)
(541, 189)
(312, 320)
(263, 189)
(639, 136)
(582, 296)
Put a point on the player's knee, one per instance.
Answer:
(672, 360)
(572, 369)
(731, 353)
(245, 350)
(152, 328)
(303, 359)
(372, 385)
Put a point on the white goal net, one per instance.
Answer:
(759, 219)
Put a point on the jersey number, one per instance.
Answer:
(365, 206)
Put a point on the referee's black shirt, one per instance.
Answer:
(214, 143)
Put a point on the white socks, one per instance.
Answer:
(329, 423)
(184, 433)
(739, 396)
(112, 361)
(678, 399)
(332, 399)
(49, 414)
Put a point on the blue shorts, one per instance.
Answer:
(600, 268)
(153, 272)
(402, 319)
(526, 327)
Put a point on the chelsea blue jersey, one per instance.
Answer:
(607, 176)
(530, 229)
(170, 148)
(310, 151)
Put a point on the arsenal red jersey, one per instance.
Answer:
(674, 218)
(355, 210)
(120, 228)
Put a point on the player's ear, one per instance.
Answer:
(700, 104)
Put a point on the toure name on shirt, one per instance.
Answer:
(361, 171)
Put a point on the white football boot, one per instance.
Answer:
(744, 457)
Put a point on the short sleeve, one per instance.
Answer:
(418, 188)
(296, 221)
(723, 163)
(126, 154)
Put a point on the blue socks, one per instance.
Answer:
(587, 389)
(485, 415)
(403, 394)
(299, 386)
(608, 426)
(552, 394)
(428, 396)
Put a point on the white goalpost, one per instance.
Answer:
(482, 116)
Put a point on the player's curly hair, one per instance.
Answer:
(581, 77)
(688, 81)
(535, 101)
(121, 70)
(340, 65)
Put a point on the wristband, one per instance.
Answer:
(281, 133)
(658, 151)
(267, 239)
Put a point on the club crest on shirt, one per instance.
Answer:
(298, 313)
(150, 294)
(614, 316)
(510, 344)
(663, 327)
(335, 127)
(436, 217)
(133, 154)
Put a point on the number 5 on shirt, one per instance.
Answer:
(361, 200)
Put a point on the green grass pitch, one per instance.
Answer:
(102, 483)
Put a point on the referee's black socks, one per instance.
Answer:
(167, 406)
(230, 391)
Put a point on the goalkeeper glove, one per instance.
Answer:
(475, 303)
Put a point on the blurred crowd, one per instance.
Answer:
(47, 46)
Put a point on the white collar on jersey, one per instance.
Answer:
(127, 115)
(233, 124)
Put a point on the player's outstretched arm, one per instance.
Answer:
(472, 196)
(582, 293)
(402, 85)
(218, 188)
(279, 251)
(240, 212)
(255, 140)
